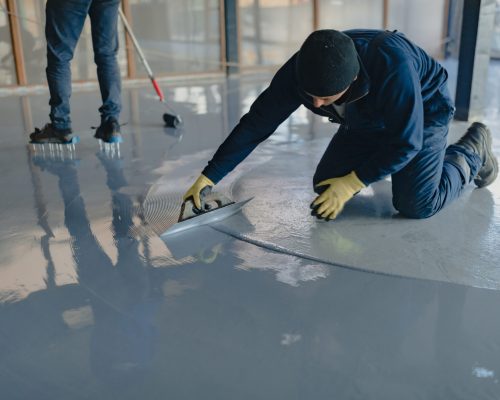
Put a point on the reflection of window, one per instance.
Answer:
(7, 68)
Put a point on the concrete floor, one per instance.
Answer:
(270, 304)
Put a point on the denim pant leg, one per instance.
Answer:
(431, 180)
(104, 19)
(64, 24)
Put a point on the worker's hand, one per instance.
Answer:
(201, 187)
(339, 191)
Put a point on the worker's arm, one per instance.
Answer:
(400, 101)
(269, 110)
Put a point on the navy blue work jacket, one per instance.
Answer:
(396, 86)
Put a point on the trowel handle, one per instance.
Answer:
(205, 206)
(204, 193)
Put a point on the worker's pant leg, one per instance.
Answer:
(437, 174)
(104, 19)
(64, 24)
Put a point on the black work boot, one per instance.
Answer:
(109, 131)
(478, 139)
(49, 134)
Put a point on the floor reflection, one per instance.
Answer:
(93, 304)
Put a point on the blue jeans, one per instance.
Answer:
(431, 180)
(64, 24)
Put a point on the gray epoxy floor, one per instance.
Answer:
(267, 305)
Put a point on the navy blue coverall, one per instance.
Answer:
(396, 120)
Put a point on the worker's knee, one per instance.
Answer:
(105, 59)
(416, 208)
(59, 57)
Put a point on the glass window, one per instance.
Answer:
(177, 36)
(7, 67)
(423, 22)
(272, 30)
(351, 14)
(32, 21)
(495, 41)
(83, 67)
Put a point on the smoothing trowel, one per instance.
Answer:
(215, 207)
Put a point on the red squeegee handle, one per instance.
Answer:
(158, 90)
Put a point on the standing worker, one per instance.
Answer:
(392, 103)
(64, 24)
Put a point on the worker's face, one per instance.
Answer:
(328, 100)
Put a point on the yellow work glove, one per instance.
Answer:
(340, 190)
(195, 191)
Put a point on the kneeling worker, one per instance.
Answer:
(392, 103)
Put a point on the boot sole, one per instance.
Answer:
(114, 139)
(73, 140)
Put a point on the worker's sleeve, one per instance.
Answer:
(269, 110)
(402, 107)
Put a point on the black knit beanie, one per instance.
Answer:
(327, 63)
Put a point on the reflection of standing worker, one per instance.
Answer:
(120, 294)
(64, 24)
(391, 101)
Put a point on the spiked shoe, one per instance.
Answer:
(109, 131)
(49, 134)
